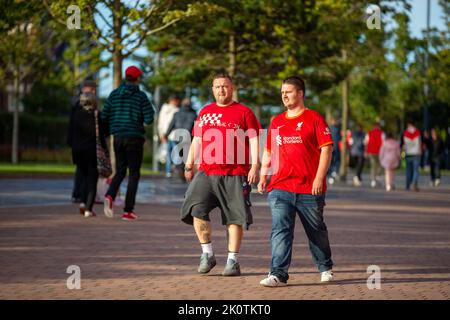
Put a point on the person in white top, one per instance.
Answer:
(164, 119)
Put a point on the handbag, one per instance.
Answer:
(103, 161)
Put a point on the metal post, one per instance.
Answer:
(427, 85)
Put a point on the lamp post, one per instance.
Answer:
(426, 87)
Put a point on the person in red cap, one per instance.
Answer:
(126, 111)
(132, 73)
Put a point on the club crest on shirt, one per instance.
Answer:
(299, 126)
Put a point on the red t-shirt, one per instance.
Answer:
(225, 133)
(295, 150)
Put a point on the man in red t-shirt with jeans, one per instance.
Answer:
(298, 150)
(226, 139)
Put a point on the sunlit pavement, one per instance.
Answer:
(405, 234)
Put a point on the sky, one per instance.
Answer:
(418, 17)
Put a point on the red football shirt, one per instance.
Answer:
(225, 133)
(295, 145)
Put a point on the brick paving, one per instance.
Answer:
(406, 234)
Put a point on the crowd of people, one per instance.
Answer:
(221, 164)
(384, 149)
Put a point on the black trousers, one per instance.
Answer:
(129, 152)
(87, 164)
(359, 165)
(78, 185)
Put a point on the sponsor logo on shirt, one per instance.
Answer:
(278, 139)
(288, 140)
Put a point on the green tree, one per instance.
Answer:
(119, 27)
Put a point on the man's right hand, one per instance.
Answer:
(189, 173)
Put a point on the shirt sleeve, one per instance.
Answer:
(323, 133)
(148, 110)
(252, 124)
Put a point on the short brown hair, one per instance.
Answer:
(295, 81)
(222, 75)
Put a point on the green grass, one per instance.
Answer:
(46, 168)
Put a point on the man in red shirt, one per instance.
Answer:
(374, 140)
(298, 150)
(225, 136)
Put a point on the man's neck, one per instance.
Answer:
(295, 111)
(225, 105)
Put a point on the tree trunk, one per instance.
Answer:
(343, 167)
(157, 101)
(76, 63)
(15, 133)
(117, 46)
(232, 62)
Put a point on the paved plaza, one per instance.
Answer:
(405, 234)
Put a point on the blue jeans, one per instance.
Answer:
(170, 145)
(412, 170)
(284, 206)
(335, 161)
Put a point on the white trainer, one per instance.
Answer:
(326, 276)
(89, 214)
(108, 207)
(272, 281)
(356, 181)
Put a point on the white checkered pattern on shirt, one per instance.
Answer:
(208, 118)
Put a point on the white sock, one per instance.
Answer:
(233, 256)
(207, 248)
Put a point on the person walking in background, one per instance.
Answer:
(374, 139)
(165, 117)
(223, 179)
(447, 149)
(427, 148)
(83, 139)
(183, 119)
(357, 152)
(436, 157)
(88, 86)
(299, 145)
(390, 156)
(412, 145)
(333, 172)
(126, 111)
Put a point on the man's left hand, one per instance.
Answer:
(253, 175)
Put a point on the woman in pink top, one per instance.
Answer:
(390, 156)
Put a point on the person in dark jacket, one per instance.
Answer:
(357, 151)
(333, 171)
(183, 120)
(82, 137)
(126, 111)
(78, 183)
(436, 156)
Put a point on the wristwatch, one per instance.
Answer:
(188, 169)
